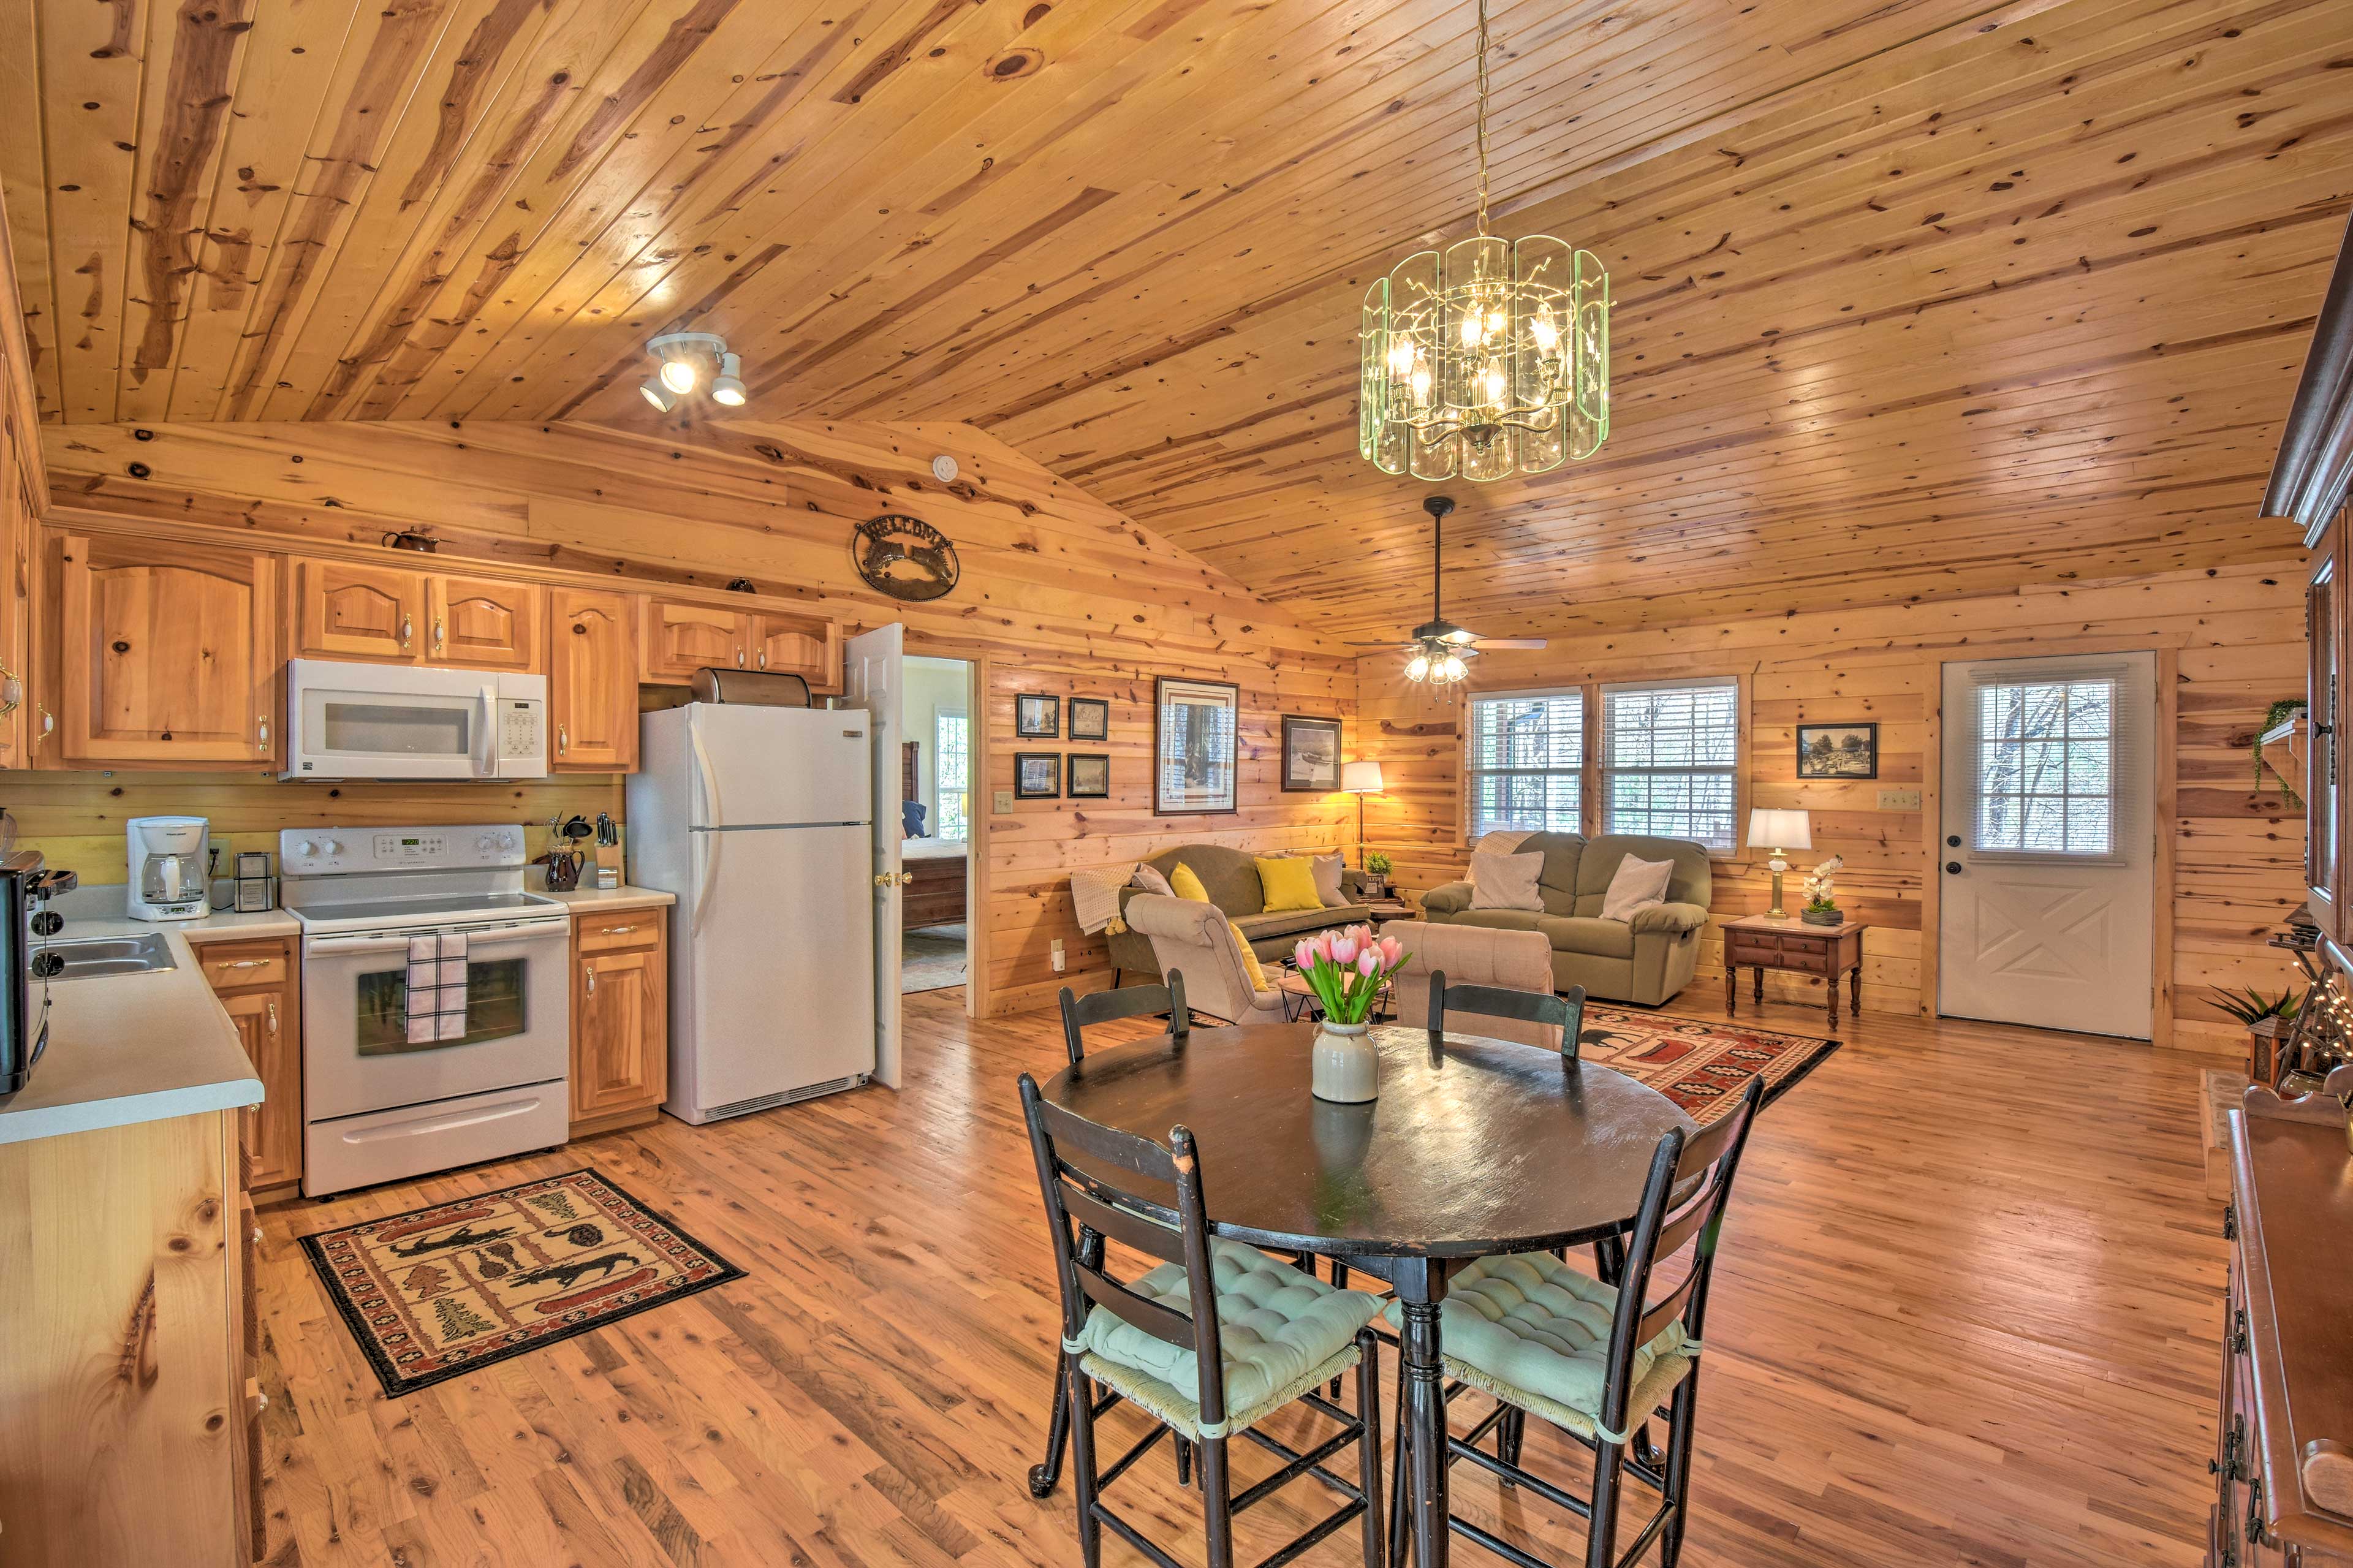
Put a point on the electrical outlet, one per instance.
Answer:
(1899, 800)
(1059, 959)
(1004, 802)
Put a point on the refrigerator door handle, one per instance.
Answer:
(706, 781)
(706, 844)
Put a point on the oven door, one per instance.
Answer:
(357, 1055)
(389, 721)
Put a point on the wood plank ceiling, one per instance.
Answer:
(1913, 298)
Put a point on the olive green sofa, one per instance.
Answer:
(1230, 879)
(1644, 961)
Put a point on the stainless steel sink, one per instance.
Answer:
(97, 955)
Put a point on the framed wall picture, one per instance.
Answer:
(1194, 729)
(1090, 773)
(1838, 751)
(1036, 776)
(1089, 719)
(1311, 754)
(1037, 716)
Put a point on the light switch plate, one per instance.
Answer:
(1899, 800)
(1004, 802)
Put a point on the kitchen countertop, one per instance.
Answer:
(613, 900)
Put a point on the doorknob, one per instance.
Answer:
(1952, 867)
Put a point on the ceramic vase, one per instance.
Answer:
(1344, 1065)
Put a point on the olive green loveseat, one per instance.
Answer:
(1646, 960)
(1230, 879)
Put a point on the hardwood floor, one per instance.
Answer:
(1968, 1312)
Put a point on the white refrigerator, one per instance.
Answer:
(760, 821)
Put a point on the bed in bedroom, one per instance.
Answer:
(935, 895)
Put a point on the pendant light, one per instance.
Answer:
(1489, 358)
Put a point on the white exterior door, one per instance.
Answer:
(875, 664)
(2046, 866)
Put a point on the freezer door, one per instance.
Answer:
(770, 965)
(760, 766)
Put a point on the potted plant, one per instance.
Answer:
(2268, 1020)
(1347, 970)
(1377, 867)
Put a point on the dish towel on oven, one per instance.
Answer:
(437, 988)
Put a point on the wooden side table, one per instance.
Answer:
(1762, 942)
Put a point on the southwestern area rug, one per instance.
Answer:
(437, 1292)
(1700, 1064)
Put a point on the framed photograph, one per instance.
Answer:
(1838, 751)
(1089, 719)
(1311, 754)
(1194, 732)
(1037, 716)
(1090, 772)
(1036, 776)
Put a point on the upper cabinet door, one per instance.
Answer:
(682, 638)
(370, 613)
(592, 682)
(484, 623)
(808, 646)
(166, 655)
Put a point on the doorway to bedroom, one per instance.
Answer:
(937, 800)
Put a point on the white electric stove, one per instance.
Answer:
(378, 1106)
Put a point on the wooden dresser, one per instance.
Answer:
(2284, 1459)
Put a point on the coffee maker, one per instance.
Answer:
(170, 879)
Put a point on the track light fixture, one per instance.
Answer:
(691, 361)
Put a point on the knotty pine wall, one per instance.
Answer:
(1058, 593)
(2235, 637)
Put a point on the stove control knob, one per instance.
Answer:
(484, 842)
(306, 849)
(333, 846)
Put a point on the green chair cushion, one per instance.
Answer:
(1276, 1326)
(1602, 938)
(1536, 1332)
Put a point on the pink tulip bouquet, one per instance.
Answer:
(1345, 968)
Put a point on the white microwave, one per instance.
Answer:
(412, 722)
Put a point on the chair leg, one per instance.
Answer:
(1082, 1462)
(1184, 1462)
(1602, 1542)
(1044, 1478)
(1217, 1508)
(1510, 1433)
(1678, 1469)
(1339, 1282)
(1368, 1441)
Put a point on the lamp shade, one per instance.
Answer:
(1360, 778)
(1779, 830)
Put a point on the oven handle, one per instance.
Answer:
(537, 931)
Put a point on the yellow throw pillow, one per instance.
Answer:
(1288, 884)
(1187, 886)
(1250, 959)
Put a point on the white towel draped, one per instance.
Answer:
(436, 987)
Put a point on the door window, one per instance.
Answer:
(2046, 767)
(497, 1007)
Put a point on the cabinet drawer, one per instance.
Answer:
(1806, 958)
(236, 965)
(620, 932)
(1746, 948)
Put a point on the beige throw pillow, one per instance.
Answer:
(1506, 881)
(1639, 885)
(1149, 879)
(1327, 881)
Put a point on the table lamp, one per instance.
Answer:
(1360, 779)
(1780, 831)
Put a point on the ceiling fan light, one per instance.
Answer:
(1455, 668)
(1418, 668)
(729, 388)
(653, 392)
(1459, 637)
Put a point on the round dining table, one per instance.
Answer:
(1474, 1146)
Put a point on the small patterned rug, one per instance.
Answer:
(437, 1292)
(1700, 1064)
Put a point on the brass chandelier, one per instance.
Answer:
(1489, 358)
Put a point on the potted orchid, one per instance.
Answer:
(1346, 968)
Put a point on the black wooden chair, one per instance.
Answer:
(1506, 1322)
(1204, 1376)
(1079, 1015)
(1562, 1010)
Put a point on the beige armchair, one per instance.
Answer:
(1197, 938)
(1473, 955)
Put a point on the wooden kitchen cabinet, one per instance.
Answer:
(258, 984)
(484, 623)
(592, 682)
(157, 654)
(620, 1018)
(18, 512)
(345, 610)
(683, 637)
(806, 645)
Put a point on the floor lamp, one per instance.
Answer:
(1360, 779)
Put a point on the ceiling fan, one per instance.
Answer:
(1438, 647)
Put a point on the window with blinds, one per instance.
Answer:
(1670, 760)
(2046, 767)
(1526, 762)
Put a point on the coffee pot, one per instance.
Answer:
(169, 869)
